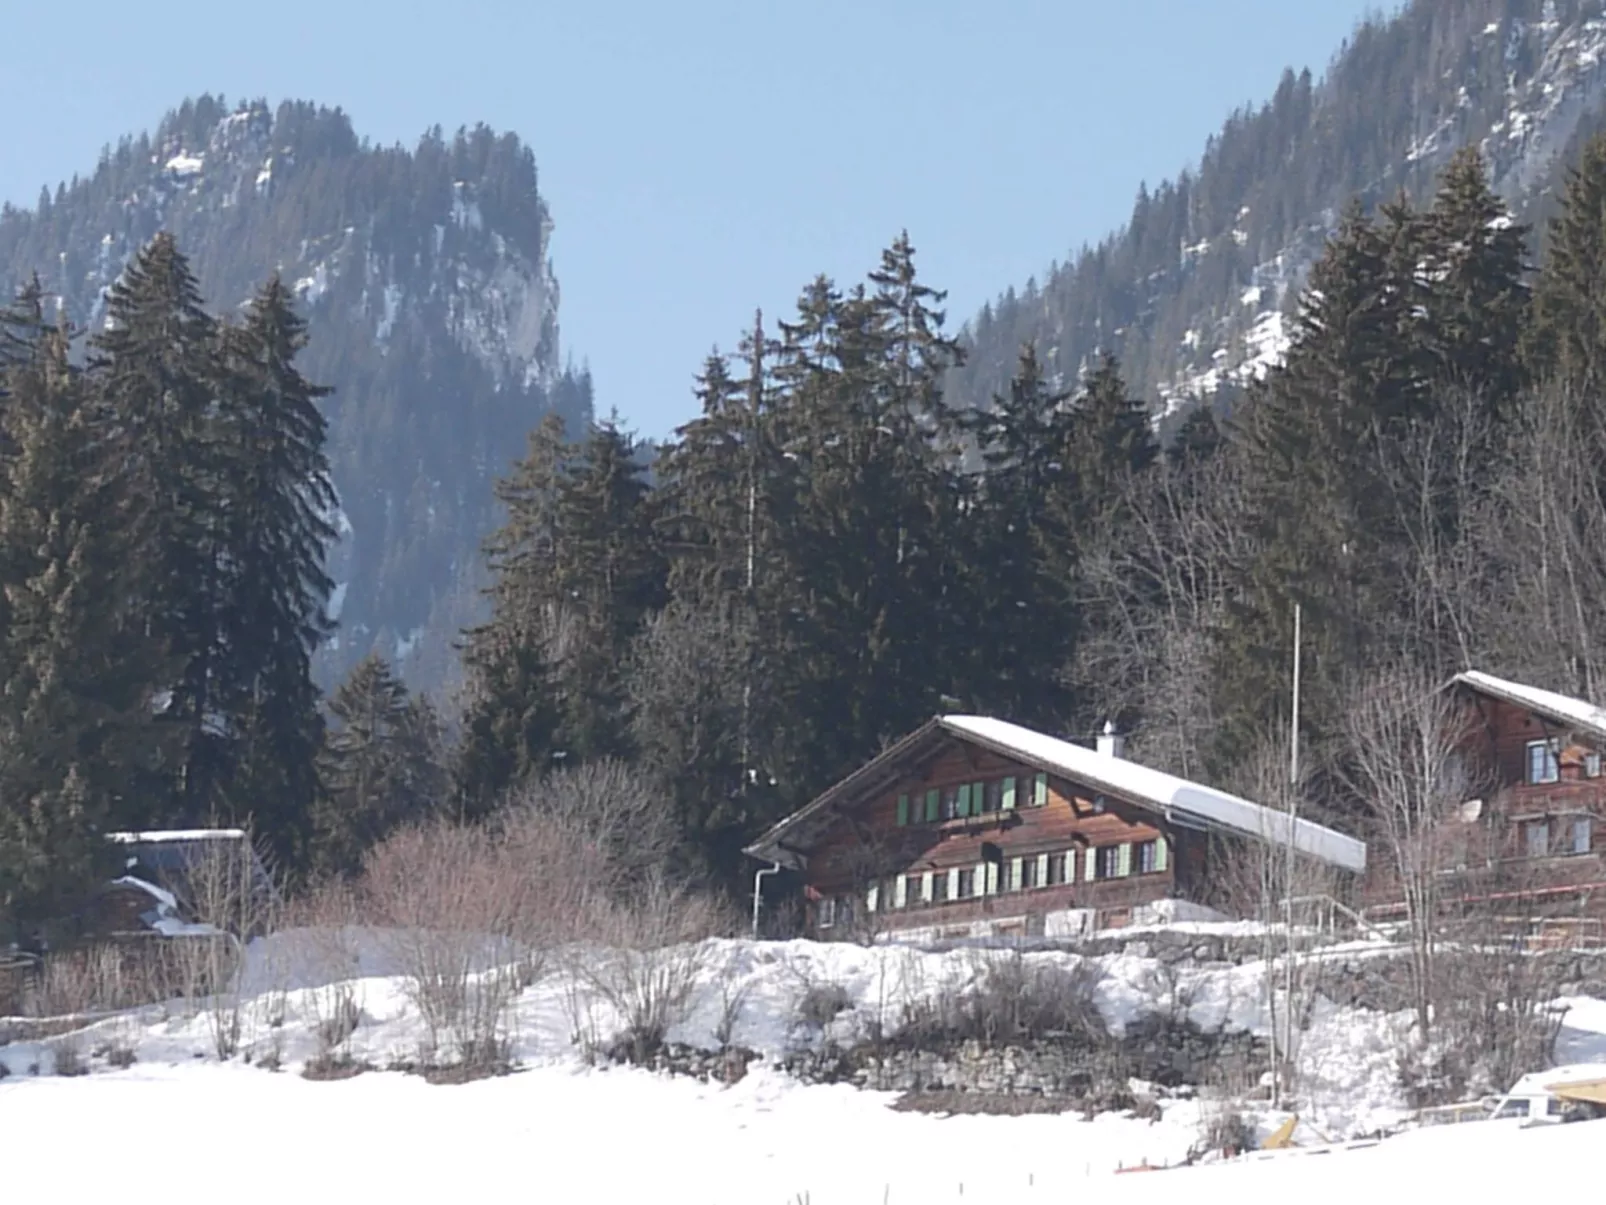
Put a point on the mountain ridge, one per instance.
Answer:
(427, 284)
(1194, 291)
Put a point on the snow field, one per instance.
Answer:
(558, 1130)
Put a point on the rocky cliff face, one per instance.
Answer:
(427, 284)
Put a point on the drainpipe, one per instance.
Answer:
(758, 892)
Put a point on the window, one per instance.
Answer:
(1028, 873)
(1536, 838)
(993, 796)
(1543, 761)
(1592, 764)
(939, 887)
(1055, 871)
(826, 911)
(967, 885)
(950, 801)
(1108, 862)
(1148, 857)
(1583, 834)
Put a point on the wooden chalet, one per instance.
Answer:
(973, 827)
(1529, 837)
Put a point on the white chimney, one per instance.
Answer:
(1111, 743)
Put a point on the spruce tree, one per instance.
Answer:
(511, 715)
(75, 717)
(277, 498)
(1567, 341)
(1025, 625)
(608, 577)
(157, 377)
(381, 766)
(1477, 302)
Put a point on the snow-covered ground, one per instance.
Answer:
(558, 1130)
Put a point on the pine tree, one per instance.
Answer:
(75, 719)
(381, 766)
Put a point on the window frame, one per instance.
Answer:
(1552, 763)
(1147, 856)
(1582, 826)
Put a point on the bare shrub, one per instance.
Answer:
(69, 1056)
(448, 902)
(820, 1004)
(328, 1066)
(1223, 1128)
(651, 952)
(1013, 1000)
(231, 902)
(122, 1057)
(733, 996)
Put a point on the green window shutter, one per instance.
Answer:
(933, 801)
(1008, 804)
(981, 877)
(1123, 860)
(1040, 790)
(1042, 870)
(964, 799)
(978, 798)
(1092, 864)
(1012, 882)
(903, 810)
(900, 891)
(1162, 857)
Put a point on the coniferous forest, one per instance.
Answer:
(829, 554)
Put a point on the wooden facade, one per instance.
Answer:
(1533, 832)
(978, 837)
(946, 835)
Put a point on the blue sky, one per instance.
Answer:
(705, 157)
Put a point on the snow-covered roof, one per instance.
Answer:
(1173, 797)
(1540, 1083)
(164, 836)
(1176, 799)
(1575, 713)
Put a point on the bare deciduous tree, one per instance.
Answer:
(1407, 761)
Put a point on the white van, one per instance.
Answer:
(1576, 1092)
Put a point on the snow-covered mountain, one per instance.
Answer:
(426, 279)
(1196, 293)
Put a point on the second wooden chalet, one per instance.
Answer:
(973, 826)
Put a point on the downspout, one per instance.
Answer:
(758, 892)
